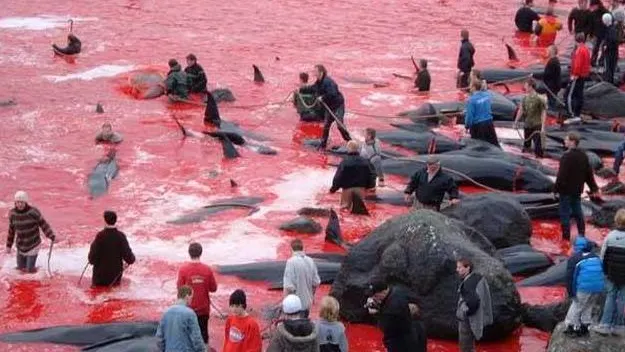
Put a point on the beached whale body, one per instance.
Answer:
(101, 176)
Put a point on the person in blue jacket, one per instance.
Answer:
(585, 282)
(478, 118)
(329, 96)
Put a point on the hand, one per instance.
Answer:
(8, 250)
(408, 198)
(573, 77)
(554, 195)
(414, 309)
(320, 98)
(454, 201)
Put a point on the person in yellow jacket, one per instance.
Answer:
(548, 27)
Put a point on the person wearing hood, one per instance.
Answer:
(423, 80)
(195, 74)
(475, 310)
(108, 252)
(478, 119)
(73, 46)
(597, 10)
(296, 333)
(329, 96)
(106, 135)
(176, 84)
(353, 176)
(584, 284)
(610, 48)
(579, 20)
(525, 17)
(371, 151)
(430, 185)
(613, 257)
(25, 221)
(465, 59)
(178, 330)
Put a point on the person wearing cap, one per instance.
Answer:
(598, 31)
(108, 252)
(353, 176)
(176, 83)
(430, 185)
(296, 332)
(25, 221)
(107, 135)
(423, 80)
(242, 330)
(396, 309)
(478, 117)
(465, 59)
(525, 17)
(610, 48)
(73, 46)
(585, 282)
(580, 71)
(474, 310)
(573, 172)
(195, 74)
(533, 112)
(301, 277)
(200, 278)
(178, 330)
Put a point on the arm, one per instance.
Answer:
(413, 184)
(472, 300)
(45, 227)
(570, 20)
(343, 344)
(93, 251)
(127, 254)
(211, 284)
(288, 280)
(316, 279)
(182, 279)
(562, 172)
(519, 113)
(570, 275)
(464, 59)
(590, 178)
(11, 235)
(226, 334)
(468, 116)
(194, 333)
(543, 118)
(254, 342)
(160, 336)
(604, 246)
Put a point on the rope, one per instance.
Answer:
(49, 257)
(83, 273)
(221, 314)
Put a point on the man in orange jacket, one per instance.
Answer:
(580, 70)
(550, 25)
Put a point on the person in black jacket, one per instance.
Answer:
(195, 75)
(353, 175)
(73, 46)
(574, 171)
(525, 17)
(552, 77)
(598, 31)
(610, 48)
(579, 20)
(474, 311)
(397, 309)
(329, 96)
(422, 83)
(430, 185)
(465, 59)
(107, 252)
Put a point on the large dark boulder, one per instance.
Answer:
(559, 342)
(501, 219)
(419, 250)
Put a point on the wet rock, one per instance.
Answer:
(545, 317)
(309, 211)
(501, 219)
(559, 342)
(302, 224)
(223, 94)
(603, 216)
(419, 250)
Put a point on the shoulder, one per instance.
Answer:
(34, 211)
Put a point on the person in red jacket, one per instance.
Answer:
(580, 70)
(200, 278)
(242, 331)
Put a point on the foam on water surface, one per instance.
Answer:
(40, 23)
(97, 72)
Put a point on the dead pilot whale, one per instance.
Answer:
(218, 207)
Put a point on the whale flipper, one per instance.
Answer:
(230, 152)
(258, 76)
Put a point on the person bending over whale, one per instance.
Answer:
(478, 119)
(176, 84)
(304, 100)
(195, 75)
(107, 135)
(353, 175)
(429, 186)
(525, 17)
(333, 102)
(422, 83)
(73, 46)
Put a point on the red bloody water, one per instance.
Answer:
(47, 139)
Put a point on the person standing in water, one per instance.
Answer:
(106, 135)
(73, 46)
(552, 77)
(195, 75)
(525, 17)
(465, 59)
(423, 80)
(25, 221)
(533, 112)
(329, 96)
(478, 118)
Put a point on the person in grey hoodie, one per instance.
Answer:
(295, 333)
(330, 331)
(371, 151)
(474, 310)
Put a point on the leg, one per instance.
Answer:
(538, 143)
(586, 303)
(347, 198)
(527, 143)
(618, 157)
(466, 340)
(565, 217)
(573, 316)
(578, 93)
(21, 261)
(608, 73)
(619, 319)
(328, 120)
(576, 210)
(595, 51)
(379, 171)
(340, 113)
(609, 307)
(464, 79)
(202, 320)
(492, 134)
(31, 262)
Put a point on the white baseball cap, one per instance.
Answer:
(291, 304)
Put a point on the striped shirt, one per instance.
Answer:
(25, 225)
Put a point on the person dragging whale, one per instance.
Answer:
(108, 252)
(195, 75)
(430, 185)
(73, 46)
(304, 100)
(329, 96)
(533, 112)
(176, 84)
(24, 224)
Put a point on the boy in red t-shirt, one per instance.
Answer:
(200, 278)
(242, 331)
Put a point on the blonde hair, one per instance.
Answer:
(329, 309)
(619, 219)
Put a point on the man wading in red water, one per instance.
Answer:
(200, 278)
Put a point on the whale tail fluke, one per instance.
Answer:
(358, 206)
(230, 152)
(258, 76)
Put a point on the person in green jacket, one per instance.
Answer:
(305, 96)
(176, 84)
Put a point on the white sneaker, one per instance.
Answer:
(601, 329)
(618, 331)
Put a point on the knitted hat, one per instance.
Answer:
(21, 196)
(291, 304)
(237, 298)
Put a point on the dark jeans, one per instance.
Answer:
(485, 131)
(575, 98)
(202, 320)
(595, 51)
(26, 263)
(552, 99)
(463, 79)
(571, 206)
(610, 62)
(618, 157)
(328, 121)
(534, 132)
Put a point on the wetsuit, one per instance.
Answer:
(197, 78)
(72, 48)
(524, 18)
